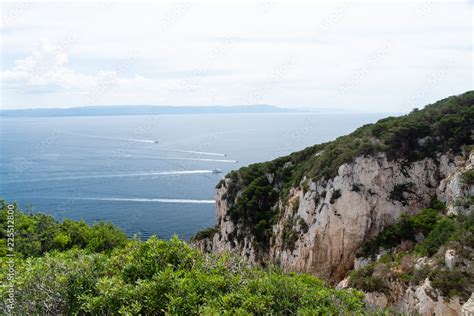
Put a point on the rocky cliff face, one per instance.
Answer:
(322, 224)
(313, 210)
(423, 299)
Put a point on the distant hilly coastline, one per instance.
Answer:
(149, 110)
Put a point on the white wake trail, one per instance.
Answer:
(182, 158)
(196, 152)
(116, 138)
(151, 142)
(180, 201)
(103, 176)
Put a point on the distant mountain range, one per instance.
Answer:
(148, 110)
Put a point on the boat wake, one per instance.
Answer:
(181, 201)
(150, 142)
(182, 158)
(196, 152)
(120, 175)
(117, 138)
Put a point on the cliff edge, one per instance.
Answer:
(312, 211)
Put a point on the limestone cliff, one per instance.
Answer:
(313, 210)
(372, 193)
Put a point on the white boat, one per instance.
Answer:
(216, 171)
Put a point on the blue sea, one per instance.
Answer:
(149, 175)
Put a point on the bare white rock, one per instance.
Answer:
(361, 262)
(427, 302)
(344, 284)
(468, 307)
(450, 258)
(375, 299)
(423, 262)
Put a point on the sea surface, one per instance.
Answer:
(150, 175)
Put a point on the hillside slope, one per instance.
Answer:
(313, 210)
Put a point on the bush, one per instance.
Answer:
(440, 235)
(37, 234)
(256, 206)
(105, 237)
(450, 283)
(303, 226)
(289, 234)
(363, 279)
(110, 275)
(468, 177)
(205, 233)
(160, 277)
(408, 227)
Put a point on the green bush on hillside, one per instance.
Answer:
(36, 234)
(406, 229)
(441, 233)
(363, 279)
(205, 233)
(468, 177)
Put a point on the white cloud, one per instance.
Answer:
(174, 59)
(47, 67)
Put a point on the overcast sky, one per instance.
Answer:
(360, 56)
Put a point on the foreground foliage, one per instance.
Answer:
(36, 234)
(157, 277)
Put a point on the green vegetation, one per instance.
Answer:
(98, 275)
(365, 280)
(289, 234)
(440, 233)
(451, 283)
(206, 233)
(468, 177)
(438, 128)
(256, 208)
(39, 233)
(406, 229)
(435, 229)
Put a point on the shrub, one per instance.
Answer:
(303, 226)
(451, 283)
(296, 205)
(105, 237)
(406, 229)
(37, 234)
(305, 187)
(468, 177)
(256, 205)
(205, 233)
(289, 234)
(160, 277)
(363, 279)
(440, 234)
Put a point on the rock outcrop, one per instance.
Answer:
(424, 300)
(331, 219)
(313, 210)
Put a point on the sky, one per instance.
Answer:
(370, 56)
